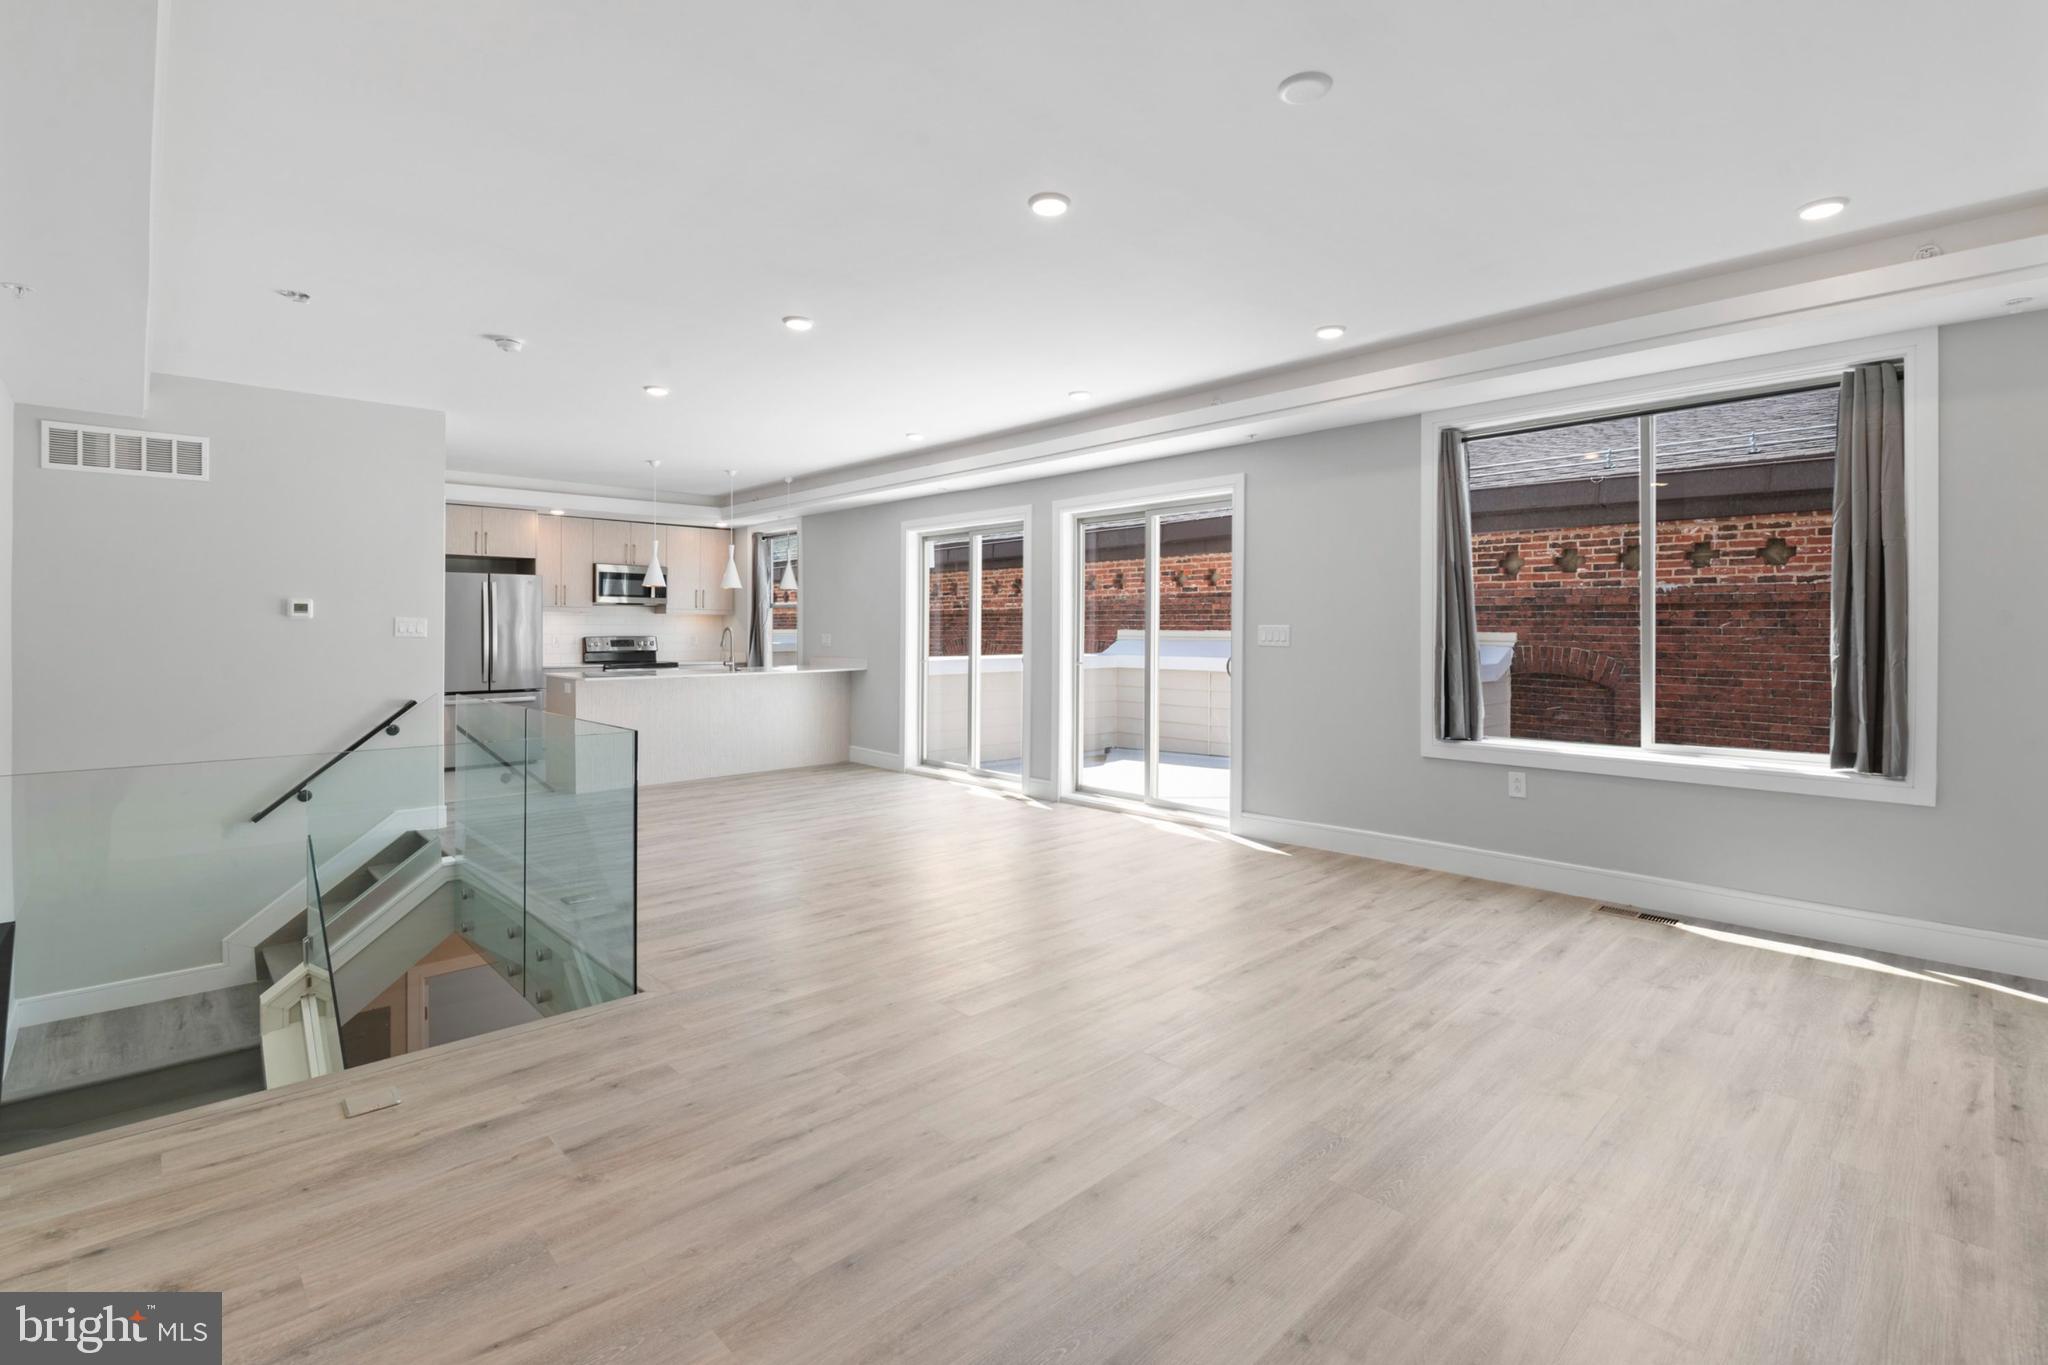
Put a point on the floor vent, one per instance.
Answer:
(1626, 913)
(112, 450)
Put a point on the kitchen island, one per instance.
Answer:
(704, 720)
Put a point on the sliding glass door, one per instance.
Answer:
(972, 684)
(1153, 665)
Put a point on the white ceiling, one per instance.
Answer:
(643, 189)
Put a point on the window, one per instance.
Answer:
(1653, 580)
(784, 573)
(1741, 500)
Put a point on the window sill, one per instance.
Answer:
(1759, 773)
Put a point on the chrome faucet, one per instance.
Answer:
(725, 643)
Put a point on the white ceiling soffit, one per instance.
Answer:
(1992, 265)
(77, 93)
(642, 191)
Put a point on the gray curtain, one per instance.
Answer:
(1457, 618)
(1868, 733)
(760, 643)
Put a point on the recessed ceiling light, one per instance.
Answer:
(1822, 208)
(558, 511)
(1046, 204)
(913, 436)
(15, 287)
(505, 343)
(1079, 395)
(797, 324)
(1590, 455)
(293, 295)
(1304, 87)
(655, 390)
(1329, 331)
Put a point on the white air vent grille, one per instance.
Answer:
(67, 445)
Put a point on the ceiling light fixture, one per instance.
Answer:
(558, 511)
(1305, 87)
(655, 390)
(913, 436)
(15, 287)
(1046, 204)
(1079, 395)
(509, 345)
(1821, 209)
(788, 565)
(798, 324)
(655, 578)
(732, 563)
(1329, 331)
(293, 295)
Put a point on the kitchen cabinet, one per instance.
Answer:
(564, 561)
(502, 532)
(510, 533)
(620, 542)
(465, 530)
(713, 550)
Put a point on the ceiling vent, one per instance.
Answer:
(111, 450)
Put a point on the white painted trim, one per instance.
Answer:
(1067, 516)
(1960, 945)
(874, 758)
(1920, 352)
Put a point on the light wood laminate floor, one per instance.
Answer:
(926, 1074)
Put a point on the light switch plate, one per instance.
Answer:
(409, 627)
(1279, 636)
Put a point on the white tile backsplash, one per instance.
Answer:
(683, 638)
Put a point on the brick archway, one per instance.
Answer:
(1568, 694)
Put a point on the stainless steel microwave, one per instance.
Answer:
(621, 585)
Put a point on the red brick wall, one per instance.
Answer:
(1194, 594)
(1742, 644)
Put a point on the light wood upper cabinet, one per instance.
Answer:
(620, 542)
(577, 561)
(564, 562)
(501, 532)
(510, 533)
(465, 530)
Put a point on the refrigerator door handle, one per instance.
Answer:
(487, 630)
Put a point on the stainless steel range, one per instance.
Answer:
(622, 654)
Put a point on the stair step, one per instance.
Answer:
(66, 1054)
(93, 1108)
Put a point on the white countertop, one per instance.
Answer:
(693, 672)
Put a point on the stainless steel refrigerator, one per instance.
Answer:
(493, 633)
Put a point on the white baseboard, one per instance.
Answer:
(1983, 949)
(875, 758)
(1041, 789)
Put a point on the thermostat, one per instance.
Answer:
(300, 608)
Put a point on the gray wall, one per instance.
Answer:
(6, 661)
(1332, 546)
(148, 613)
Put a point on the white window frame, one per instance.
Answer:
(1756, 770)
(915, 621)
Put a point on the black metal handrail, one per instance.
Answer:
(303, 789)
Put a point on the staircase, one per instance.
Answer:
(139, 990)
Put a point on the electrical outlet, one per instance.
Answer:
(825, 640)
(1278, 636)
(409, 627)
(1518, 785)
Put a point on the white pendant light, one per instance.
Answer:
(788, 583)
(655, 578)
(732, 563)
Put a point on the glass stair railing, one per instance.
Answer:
(168, 945)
